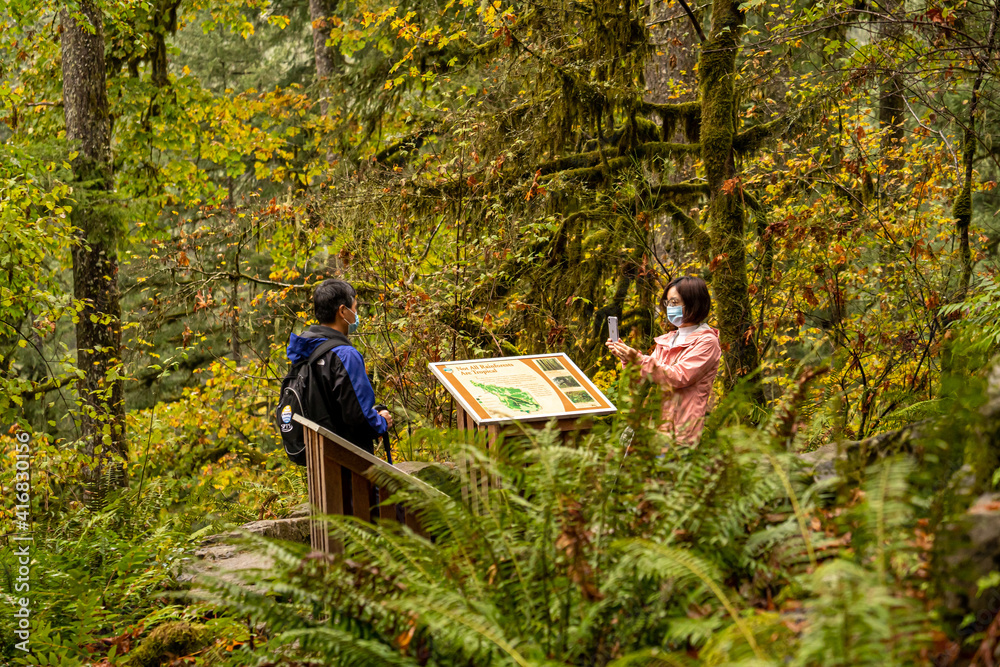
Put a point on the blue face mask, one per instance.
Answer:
(353, 326)
(675, 315)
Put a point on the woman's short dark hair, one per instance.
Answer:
(329, 296)
(694, 293)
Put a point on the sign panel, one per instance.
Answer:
(533, 388)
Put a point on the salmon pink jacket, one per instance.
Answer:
(686, 372)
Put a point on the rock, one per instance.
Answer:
(442, 476)
(992, 408)
(412, 467)
(850, 457)
(228, 562)
(291, 530)
(223, 555)
(965, 551)
(167, 642)
(823, 461)
(300, 510)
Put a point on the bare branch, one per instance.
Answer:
(694, 21)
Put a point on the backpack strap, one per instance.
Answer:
(323, 348)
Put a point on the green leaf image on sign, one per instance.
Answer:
(512, 397)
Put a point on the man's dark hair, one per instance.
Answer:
(329, 296)
(694, 293)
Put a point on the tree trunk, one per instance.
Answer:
(320, 12)
(95, 259)
(890, 111)
(717, 68)
(962, 207)
(234, 282)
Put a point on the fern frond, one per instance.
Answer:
(670, 562)
(653, 657)
(452, 615)
(346, 648)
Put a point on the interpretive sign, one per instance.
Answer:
(532, 388)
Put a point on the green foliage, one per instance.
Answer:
(498, 178)
(95, 572)
(34, 231)
(608, 552)
(980, 316)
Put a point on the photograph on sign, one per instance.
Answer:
(521, 388)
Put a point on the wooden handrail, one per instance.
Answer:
(370, 459)
(339, 476)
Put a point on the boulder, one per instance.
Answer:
(292, 530)
(300, 510)
(965, 551)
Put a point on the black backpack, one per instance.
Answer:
(292, 401)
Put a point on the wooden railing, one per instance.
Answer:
(339, 483)
(339, 477)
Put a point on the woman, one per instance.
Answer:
(684, 362)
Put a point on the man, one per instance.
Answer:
(340, 397)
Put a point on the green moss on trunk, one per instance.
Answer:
(962, 210)
(726, 216)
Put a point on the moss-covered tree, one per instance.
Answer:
(563, 169)
(95, 256)
(719, 107)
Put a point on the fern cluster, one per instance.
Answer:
(615, 548)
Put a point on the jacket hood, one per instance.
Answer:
(301, 346)
(663, 339)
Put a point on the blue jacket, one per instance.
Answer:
(340, 396)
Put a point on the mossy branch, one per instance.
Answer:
(643, 131)
(360, 286)
(750, 139)
(413, 142)
(671, 114)
(517, 266)
(678, 189)
(675, 110)
(38, 390)
(596, 173)
(693, 233)
(647, 150)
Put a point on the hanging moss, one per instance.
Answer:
(693, 233)
(596, 239)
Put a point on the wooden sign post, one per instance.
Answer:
(496, 394)
(509, 394)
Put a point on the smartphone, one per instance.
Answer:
(613, 328)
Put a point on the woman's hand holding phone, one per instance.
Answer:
(621, 350)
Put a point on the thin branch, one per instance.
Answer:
(36, 390)
(944, 139)
(694, 21)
